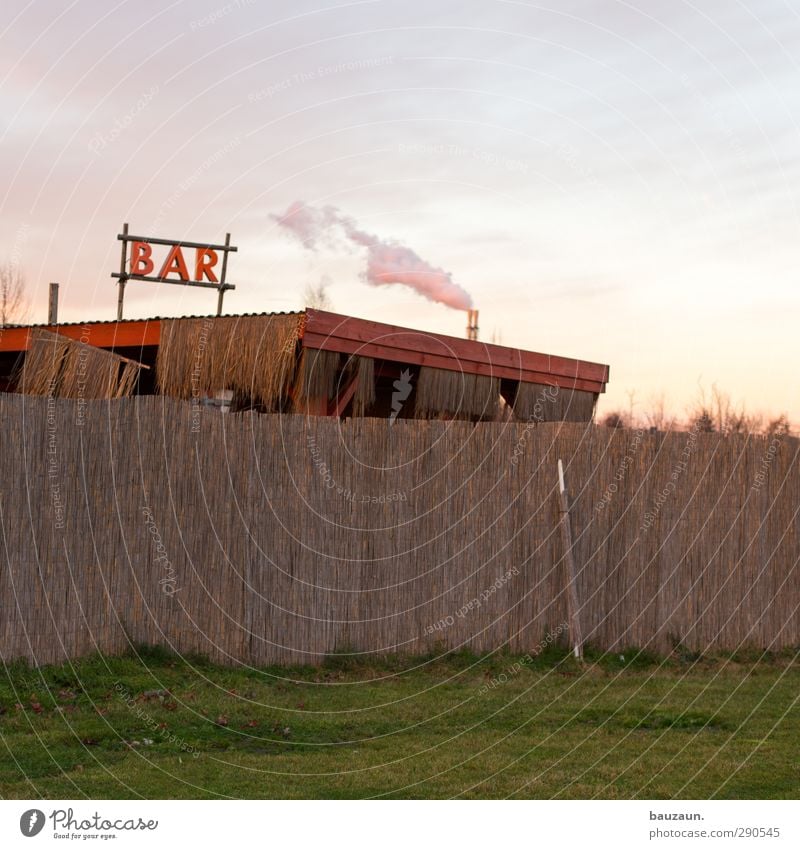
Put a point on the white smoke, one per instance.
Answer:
(388, 262)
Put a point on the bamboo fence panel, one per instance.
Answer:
(279, 539)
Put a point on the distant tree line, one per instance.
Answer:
(713, 412)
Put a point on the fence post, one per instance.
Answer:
(569, 565)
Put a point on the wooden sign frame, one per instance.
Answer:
(202, 269)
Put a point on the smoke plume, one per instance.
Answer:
(388, 262)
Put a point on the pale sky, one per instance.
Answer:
(612, 181)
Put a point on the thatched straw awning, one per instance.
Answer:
(364, 396)
(316, 376)
(323, 376)
(259, 359)
(60, 367)
(538, 403)
(255, 356)
(454, 394)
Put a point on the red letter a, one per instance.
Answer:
(175, 264)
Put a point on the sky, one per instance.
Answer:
(611, 181)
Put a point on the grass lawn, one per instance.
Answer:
(633, 726)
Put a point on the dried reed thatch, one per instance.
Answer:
(316, 376)
(364, 396)
(255, 356)
(456, 394)
(64, 368)
(538, 403)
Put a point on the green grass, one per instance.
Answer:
(625, 725)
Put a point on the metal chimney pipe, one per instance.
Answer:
(472, 324)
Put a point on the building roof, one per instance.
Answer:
(346, 334)
(330, 331)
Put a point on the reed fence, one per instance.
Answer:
(264, 539)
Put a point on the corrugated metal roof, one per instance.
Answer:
(152, 318)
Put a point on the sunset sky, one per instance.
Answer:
(612, 181)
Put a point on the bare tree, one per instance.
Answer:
(13, 305)
(703, 421)
(613, 420)
(780, 426)
(657, 416)
(316, 295)
(719, 414)
(630, 417)
(733, 418)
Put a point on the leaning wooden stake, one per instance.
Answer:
(572, 590)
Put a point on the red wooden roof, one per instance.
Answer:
(334, 332)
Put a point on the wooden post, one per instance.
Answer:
(222, 285)
(122, 273)
(52, 307)
(569, 564)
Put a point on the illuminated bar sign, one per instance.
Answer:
(170, 261)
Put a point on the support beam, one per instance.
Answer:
(339, 404)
